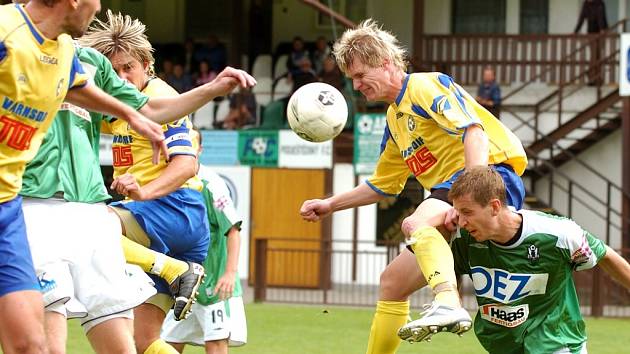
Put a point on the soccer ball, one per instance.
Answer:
(317, 112)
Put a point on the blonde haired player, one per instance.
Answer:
(434, 130)
(218, 318)
(165, 209)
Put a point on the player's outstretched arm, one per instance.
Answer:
(616, 266)
(317, 209)
(94, 99)
(225, 284)
(166, 109)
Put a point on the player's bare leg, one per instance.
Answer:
(147, 325)
(217, 347)
(22, 323)
(56, 327)
(112, 336)
(178, 346)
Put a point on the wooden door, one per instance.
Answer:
(294, 258)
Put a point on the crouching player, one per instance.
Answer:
(521, 263)
(218, 317)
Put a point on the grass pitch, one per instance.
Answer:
(284, 329)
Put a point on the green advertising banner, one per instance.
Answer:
(368, 133)
(258, 148)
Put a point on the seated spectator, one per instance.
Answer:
(322, 51)
(188, 57)
(331, 74)
(298, 52)
(242, 109)
(205, 74)
(180, 81)
(304, 74)
(489, 92)
(167, 70)
(214, 53)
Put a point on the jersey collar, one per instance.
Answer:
(402, 91)
(36, 34)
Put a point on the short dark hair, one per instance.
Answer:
(483, 183)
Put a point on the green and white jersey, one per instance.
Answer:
(220, 208)
(525, 291)
(68, 159)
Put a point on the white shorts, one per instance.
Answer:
(223, 320)
(77, 252)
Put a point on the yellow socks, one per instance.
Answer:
(436, 261)
(389, 317)
(153, 262)
(160, 347)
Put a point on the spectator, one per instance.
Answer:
(190, 63)
(180, 81)
(242, 109)
(303, 74)
(489, 93)
(331, 74)
(167, 70)
(214, 53)
(205, 74)
(322, 51)
(594, 12)
(298, 52)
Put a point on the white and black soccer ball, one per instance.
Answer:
(317, 112)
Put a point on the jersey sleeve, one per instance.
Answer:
(459, 247)
(584, 250)
(391, 172)
(441, 99)
(78, 77)
(178, 138)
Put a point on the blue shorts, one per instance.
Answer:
(514, 188)
(177, 225)
(16, 264)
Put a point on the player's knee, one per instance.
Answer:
(409, 225)
(389, 286)
(28, 343)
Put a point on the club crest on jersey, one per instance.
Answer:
(411, 123)
(532, 254)
(506, 316)
(59, 86)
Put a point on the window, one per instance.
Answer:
(534, 16)
(478, 16)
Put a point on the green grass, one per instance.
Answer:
(284, 329)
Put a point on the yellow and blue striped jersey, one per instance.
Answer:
(35, 75)
(132, 153)
(425, 133)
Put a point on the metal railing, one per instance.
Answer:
(353, 276)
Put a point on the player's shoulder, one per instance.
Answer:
(10, 19)
(559, 228)
(159, 87)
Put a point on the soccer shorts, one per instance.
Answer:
(223, 320)
(81, 242)
(514, 188)
(16, 265)
(176, 225)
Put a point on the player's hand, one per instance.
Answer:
(151, 131)
(315, 209)
(159, 148)
(225, 285)
(229, 78)
(451, 220)
(128, 186)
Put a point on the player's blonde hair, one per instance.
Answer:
(371, 45)
(482, 183)
(120, 34)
